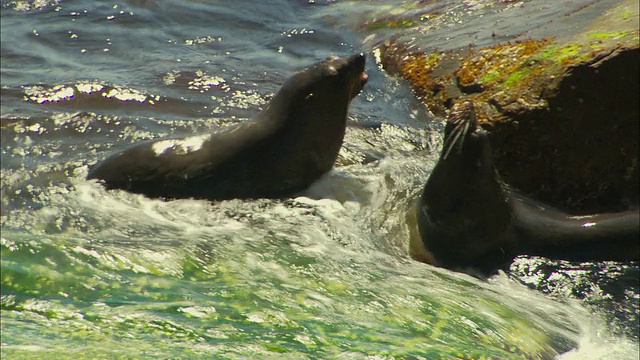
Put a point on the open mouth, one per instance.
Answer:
(363, 79)
(357, 86)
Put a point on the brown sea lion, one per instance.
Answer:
(285, 148)
(469, 219)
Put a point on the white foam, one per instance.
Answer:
(180, 146)
(123, 94)
(89, 87)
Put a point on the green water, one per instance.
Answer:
(96, 274)
(72, 296)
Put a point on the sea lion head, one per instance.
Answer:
(320, 93)
(466, 149)
(463, 215)
(342, 76)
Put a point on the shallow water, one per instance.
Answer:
(88, 273)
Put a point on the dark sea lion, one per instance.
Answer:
(469, 219)
(285, 148)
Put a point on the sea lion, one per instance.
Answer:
(469, 219)
(285, 148)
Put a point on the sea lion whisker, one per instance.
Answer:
(452, 139)
(465, 130)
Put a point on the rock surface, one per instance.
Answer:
(562, 112)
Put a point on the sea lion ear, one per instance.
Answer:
(331, 71)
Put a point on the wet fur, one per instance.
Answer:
(285, 148)
(468, 218)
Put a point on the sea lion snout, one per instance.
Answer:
(358, 60)
(356, 63)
